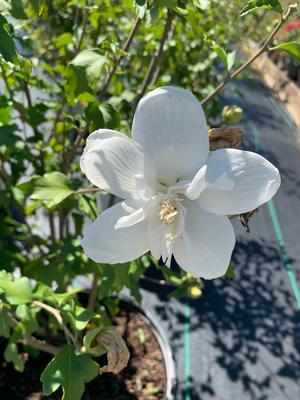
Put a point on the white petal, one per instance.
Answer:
(255, 181)
(131, 219)
(197, 185)
(170, 125)
(105, 244)
(111, 160)
(206, 248)
(155, 238)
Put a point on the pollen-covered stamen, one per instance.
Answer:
(168, 212)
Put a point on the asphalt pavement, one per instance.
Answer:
(241, 339)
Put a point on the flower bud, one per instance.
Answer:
(232, 114)
(194, 292)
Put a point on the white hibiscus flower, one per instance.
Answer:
(177, 195)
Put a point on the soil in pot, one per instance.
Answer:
(143, 379)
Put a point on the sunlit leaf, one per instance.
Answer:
(51, 189)
(7, 44)
(292, 48)
(16, 291)
(228, 59)
(253, 5)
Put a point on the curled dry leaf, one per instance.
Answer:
(245, 218)
(117, 351)
(222, 138)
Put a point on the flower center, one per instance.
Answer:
(168, 212)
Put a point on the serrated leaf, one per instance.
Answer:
(7, 44)
(253, 5)
(11, 354)
(70, 371)
(51, 189)
(18, 291)
(292, 48)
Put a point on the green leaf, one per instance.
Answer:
(90, 62)
(7, 44)
(110, 115)
(45, 293)
(85, 69)
(17, 9)
(293, 48)
(7, 135)
(11, 354)
(64, 39)
(70, 371)
(77, 316)
(166, 3)
(94, 116)
(88, 205)
(230, 273)
(38, 6)
(18, 291)
(27, 315)
(252, 5)
(91, 346)
(36, 114)
(5, 321)
(228, 59)
(51, 189)
(221, 53)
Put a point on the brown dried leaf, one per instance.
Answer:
(222, 138)
(245, 218)
(117, 351)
